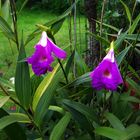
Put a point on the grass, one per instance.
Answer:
(27, 20)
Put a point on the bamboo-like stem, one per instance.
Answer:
(14, 18)
(75, 37)
(11, 47)
(101, 25)
(70, 28)
(134, 8)
(79, 23)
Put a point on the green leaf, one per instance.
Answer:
(69, 63)
(39, 139)
(23, 5)
(22, 79)
(134, 85)
(80, 80)
(82, 120)
(12, 118)
(44, 85)
(56, 26)
(60, 127)
(57, 108)
(14, 131)
(7, 83)
(6, 10)
(109, 26)
(133, 71)
(127, 11)
(114, 121)
(49, 86)
(3, 100)
(111, 133)
(133, 37)
(127, 98)
(121, 55)
(35, 82)
(85, 78)
(133, 131)
(80, 63)
(134, 25)
(5, 28)
(120, 39)
(83, 109)
(100, 39)
(0, 7)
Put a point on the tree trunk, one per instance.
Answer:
(92, 55)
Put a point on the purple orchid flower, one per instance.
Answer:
(106, 74)
(42, 58)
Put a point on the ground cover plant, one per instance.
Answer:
(73, 79)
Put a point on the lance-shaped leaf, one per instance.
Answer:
(82, 120)
(44, 94)
(43, 86)
(134, 25)
(127, 11)
(133, 131)
(60, 127)
(12, 118)
(3, 100)
(69, 63)
(6, 10)
(7, 84)
(111, 133)
(80, 80)
(22, 79)
(14, 131)
(120, 39)
(83, 109)
(115, 122)
(5, 28)
(121, 55)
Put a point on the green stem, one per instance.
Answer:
(14, 18)
(63, 71)
(65, 75)
(101, 26)
(26, 111)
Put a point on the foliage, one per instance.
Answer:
(62, 104)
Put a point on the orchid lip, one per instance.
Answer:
(107, 74)
(43, 59)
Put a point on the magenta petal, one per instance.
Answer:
(41, 60)
(40, 54)
(56, 50)
(106, 74)
(41, 68)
